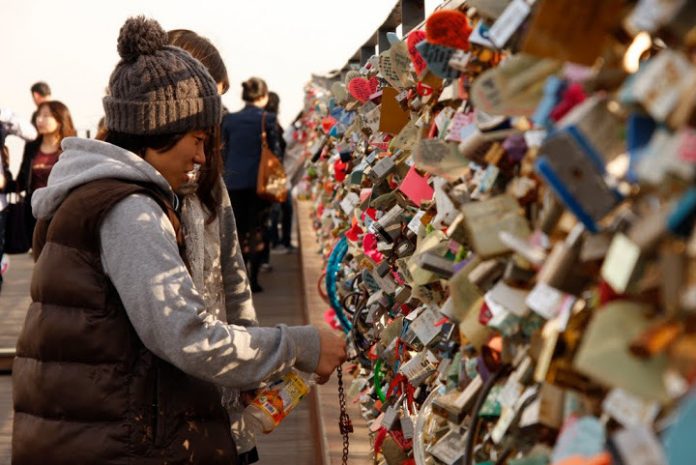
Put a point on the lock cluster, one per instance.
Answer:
(505, 201)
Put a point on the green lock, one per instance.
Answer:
(534, 460)
(491, 406)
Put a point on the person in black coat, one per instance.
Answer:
(241, 137)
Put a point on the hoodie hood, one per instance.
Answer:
(87, 160)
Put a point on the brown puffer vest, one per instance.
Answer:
(86, 389)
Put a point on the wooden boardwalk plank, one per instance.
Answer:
(312, 266)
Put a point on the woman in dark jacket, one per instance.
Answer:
(54, 123)
(241, 136)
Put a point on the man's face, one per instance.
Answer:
(38, 98)
(177, 163)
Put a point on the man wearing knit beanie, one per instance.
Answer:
(118, 360)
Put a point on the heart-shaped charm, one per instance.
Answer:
(386, 69)
(361, 89)
(401, 63)
(327, 123)
(350, 75)
(413, 39)
(449, 28)
(374, 84)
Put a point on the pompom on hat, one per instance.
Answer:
(157, 88)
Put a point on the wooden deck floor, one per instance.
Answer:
(310, 434)
(328, 394)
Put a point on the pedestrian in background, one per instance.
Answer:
(10, 125)
(40, 93)
(241, 137)
(281, 214)
(53, 123)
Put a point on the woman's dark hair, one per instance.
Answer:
(202, 50)
(207, 189)
(253, 89)
(273, 103)
(62, 115)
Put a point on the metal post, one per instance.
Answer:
(383, 44)
(412, 14)
(366, 51)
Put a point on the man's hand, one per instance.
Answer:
(332, 353)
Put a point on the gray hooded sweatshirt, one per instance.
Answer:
(140, 255)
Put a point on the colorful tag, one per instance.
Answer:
(413, 39)
(416, 188)
(437, 57)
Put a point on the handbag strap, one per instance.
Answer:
(264, 140)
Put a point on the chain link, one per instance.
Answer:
(344, 423)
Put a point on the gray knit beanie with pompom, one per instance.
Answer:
(158, 88)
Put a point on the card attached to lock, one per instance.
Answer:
(575, 172)
(485, 219)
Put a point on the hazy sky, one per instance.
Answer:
(71, 44)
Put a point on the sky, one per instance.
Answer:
(71, 44)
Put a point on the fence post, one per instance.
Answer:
(412, 14)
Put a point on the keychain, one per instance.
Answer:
(344, 423)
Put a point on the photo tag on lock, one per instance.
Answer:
(440, 158)
(425, 327)
(485, 219)
(450, 448)
(630, 410)
(549, 302)
(621, 265)
(513, 88)
(512, 299)
(662, 81)
(603, 348)
(417, 369)
(639, 446)
(575, 172)
(349, 202)
(456, 128)
(508, 23)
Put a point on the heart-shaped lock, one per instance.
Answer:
(413, 39)
(360, 88)
(449, 28)
(386, 69)
(350, 75)
(327, 123)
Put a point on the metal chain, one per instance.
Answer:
(344, 423)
